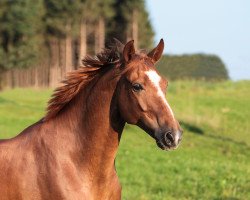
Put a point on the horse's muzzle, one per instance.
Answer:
(169, 140)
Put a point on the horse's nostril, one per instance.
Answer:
(169, 137)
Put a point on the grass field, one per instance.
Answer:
(213, 161)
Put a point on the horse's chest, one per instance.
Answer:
(75, 185)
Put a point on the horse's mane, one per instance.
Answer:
(76, 80)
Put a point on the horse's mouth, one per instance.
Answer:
(166, 146)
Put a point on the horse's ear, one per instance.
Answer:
(129, 50)
(156, 53)
(119, 45)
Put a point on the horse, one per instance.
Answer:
(70, 153)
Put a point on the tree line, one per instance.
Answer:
(42, 40)
(196, 66)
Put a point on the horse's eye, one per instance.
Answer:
(137, 87)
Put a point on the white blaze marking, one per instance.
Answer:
(155, 79)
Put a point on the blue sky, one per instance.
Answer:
(220, 27)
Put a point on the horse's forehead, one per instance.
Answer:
(154, 77)
(140, 68)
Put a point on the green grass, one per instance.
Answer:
(20, 108)
(213, 161)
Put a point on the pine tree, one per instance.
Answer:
(20, 32)
(105, 13)
(131, 21)
(95, 15)
(61, 18)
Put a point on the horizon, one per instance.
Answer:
(211, 27)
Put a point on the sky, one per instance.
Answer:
(220, 27)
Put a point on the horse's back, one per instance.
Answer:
(17, 164)
(29, 169)
(17, 145)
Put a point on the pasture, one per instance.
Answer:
(212, 162)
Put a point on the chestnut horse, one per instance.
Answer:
(70, 153)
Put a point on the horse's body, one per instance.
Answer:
(70, 153)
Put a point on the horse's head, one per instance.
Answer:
(142, 97)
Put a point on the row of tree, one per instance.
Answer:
(42, 40)
(197, 66)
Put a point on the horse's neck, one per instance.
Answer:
(92, 126)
